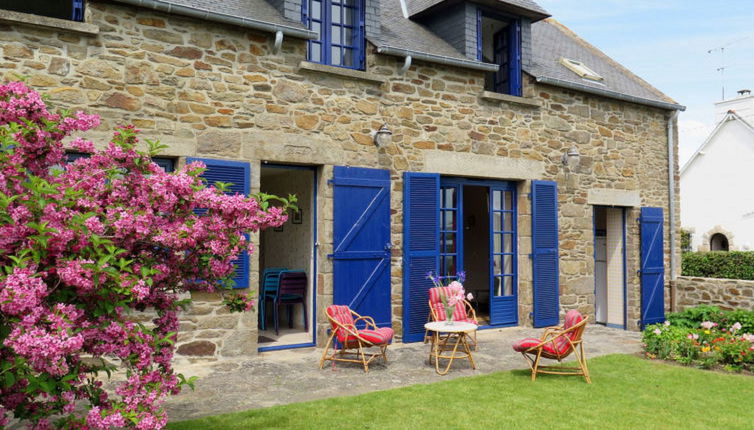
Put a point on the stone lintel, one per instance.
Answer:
(341, 71)
(482, 166)
(291, 148)
(47, 22)
(610, 197)
(497, 97)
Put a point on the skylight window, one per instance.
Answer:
(580, 69)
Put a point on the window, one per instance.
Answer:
(167, 164)
(72, 10)
(580, 69)
(499, 42)
(339, 25)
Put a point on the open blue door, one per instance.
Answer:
(421, 192)
(361, 241)
(238, 174)
(503, 250)
(652, 267)
(544, 229)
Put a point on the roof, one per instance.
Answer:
(400, 32)
(527, 8)
(730, 116)
(552, 40)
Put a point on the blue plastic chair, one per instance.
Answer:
(270, 283)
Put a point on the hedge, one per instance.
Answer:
(719, 264)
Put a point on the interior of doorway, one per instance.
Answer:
(290, 247)
(476, 248)
(609, 266)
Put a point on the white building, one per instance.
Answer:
(717, 183)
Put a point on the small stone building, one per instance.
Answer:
(419, 135)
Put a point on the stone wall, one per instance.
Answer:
(728, 294)
(218, 91)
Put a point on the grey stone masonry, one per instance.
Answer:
(727, 294)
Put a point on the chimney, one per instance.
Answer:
(742, 105)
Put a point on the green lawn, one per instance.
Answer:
(627, 393)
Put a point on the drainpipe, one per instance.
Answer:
(671, 205)
(195, 12)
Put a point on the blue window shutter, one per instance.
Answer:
(239, 175)
(421, 248)
(77, 13)
(652, 267)
(361, 241)
(544, 219)
(479, 34)
(514, 63)
(167, 164)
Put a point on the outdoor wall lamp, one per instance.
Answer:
(571, 158)
(382, 137)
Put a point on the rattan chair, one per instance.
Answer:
(350, 343)
(556, 344)
(463, 312)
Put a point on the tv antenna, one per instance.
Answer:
(722, 66)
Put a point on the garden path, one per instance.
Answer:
(290, 376)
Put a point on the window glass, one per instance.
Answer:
(339, 41)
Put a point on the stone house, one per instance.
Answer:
(710, 181)
(420, 135)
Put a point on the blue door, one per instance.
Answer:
(503, 251)
(236, 173)
(361, 241)
(420, 249)
(652, 267)
(544, 229)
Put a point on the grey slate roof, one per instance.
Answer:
(525, 7)
(259, 10)
(400, 32)
(551, 40)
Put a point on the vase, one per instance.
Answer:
(449, 314)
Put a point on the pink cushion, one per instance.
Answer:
(459, 312)
(560, 345)
(524, 344)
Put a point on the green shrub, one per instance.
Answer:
(717, 343)
(719, 264)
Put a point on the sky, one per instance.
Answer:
(668, 44)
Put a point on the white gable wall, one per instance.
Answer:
(717, 188)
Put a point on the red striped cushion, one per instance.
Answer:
(381, 336)
(343, 315)
(524, 344)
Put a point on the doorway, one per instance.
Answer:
(478, 237)
(287, 257)
(610, 266)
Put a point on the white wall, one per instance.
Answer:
(716, 188)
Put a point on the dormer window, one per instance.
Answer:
(499, 42)
(339, 25)
(72, 10)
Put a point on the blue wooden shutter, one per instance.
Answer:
(652, 267)
(238, 174)
(421, 248)
(361, 241)
(514, 60)
(544, 220)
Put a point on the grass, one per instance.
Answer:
(627, 393)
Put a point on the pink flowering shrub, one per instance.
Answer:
(83, 245)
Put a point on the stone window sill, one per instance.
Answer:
(12, 17)
(497, 97)
(340, 71)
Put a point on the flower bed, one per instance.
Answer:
(704, 336)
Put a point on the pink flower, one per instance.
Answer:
(693, 336)
(735, 327)
(657, 331)
(708, 325)
(666, 323)
(469, 297)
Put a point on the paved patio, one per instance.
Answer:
(290, 376)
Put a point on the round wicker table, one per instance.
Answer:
(449, 343)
